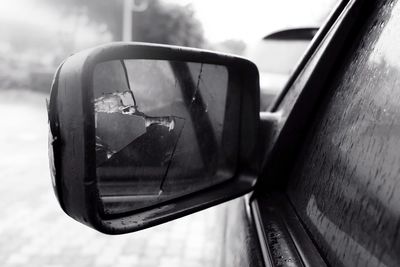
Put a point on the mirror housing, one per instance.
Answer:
(72, 139)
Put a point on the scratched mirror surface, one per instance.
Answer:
(159, 131)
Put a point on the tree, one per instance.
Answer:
(159, 23)
(167, 24)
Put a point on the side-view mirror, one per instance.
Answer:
(141, 134)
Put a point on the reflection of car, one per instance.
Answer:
(328, 192)
(276, 56)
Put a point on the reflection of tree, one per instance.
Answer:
(159, 23)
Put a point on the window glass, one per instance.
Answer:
(346, 186)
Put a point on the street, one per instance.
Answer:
(35, 231)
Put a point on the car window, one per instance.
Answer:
(345, 186)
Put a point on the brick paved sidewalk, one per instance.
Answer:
(35, 232)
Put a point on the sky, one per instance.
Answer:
(24, 10)
(41, 18)
(221, 19)
(253, 19)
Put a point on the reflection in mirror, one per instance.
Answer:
(160, 131)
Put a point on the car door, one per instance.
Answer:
(328, 191)
(246, 219)
(331, 196)
(345, 185)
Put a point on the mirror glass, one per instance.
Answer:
(161, 131)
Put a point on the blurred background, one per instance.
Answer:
(35, 36)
